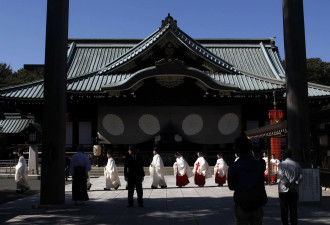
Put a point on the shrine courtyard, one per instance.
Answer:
(189, 205)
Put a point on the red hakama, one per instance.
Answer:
(182, 180)
(199, 179)
(266, 177)
(220, 180)
(274, 178)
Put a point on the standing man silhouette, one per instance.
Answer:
(134, 175)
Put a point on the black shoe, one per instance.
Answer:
(163, 186)
(130, 206)
(89, 187)
(153, 187)
(106, 189)
(19, 191)
(201, 185)
(141, 205)
(116, 188)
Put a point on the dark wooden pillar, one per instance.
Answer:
(53, 151)
(296, 81)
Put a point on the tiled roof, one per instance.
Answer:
(248, 64)
(14, 125)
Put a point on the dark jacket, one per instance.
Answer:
(245, 177)
(133, 168)
(244, 173)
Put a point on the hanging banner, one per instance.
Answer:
(309, 187)
(197, 124)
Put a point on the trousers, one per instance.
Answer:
(133, 183)
(253, 217)
(288, 202)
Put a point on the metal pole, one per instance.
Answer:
(53, 151)
(296, 81)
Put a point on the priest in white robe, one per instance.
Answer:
(21, 174)
(220, 171)
(181, 171)
(111, 174)
(201, 170)
(274, 168)
(267, 167)
(157, 171)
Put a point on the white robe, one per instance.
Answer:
(181, 167)
(21, 173)
(266, 161)
(157, 171)
(221, 168)
(111, 174)
(203, 167)
(274, 167)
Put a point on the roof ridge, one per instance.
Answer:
(223, 63)
(135, 50)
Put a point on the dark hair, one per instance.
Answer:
(219, 154)
(109, 152)
(131, 147)
(243, 145)
(156, 149)
(200, 153)
(287, 154)
(21, 151)
(177, 153)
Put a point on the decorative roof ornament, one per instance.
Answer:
(169, 20)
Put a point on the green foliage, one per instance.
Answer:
(318, 71)
(10, 78)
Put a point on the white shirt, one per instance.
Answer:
(181, 167)
(221, 167)
(289, 173)
(203, 167)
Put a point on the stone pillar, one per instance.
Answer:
(296, 80)
(33, 160)
(53, 145)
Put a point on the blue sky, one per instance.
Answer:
(23, 23)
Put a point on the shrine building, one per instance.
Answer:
(180, 93)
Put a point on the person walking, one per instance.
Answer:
(21, 174)
(201, 170)
(289, 173)
(220, 171)
(181, 171)
(79, 168)
(245, 178)
(157, 170)
(134, 175)
(111, 174)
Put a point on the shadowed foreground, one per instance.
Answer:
(189, 205)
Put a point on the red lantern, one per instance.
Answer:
(275, 116)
